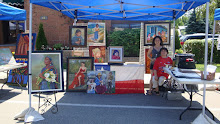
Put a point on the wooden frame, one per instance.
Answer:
(76, 75)
(53, 70)
(153, 29)
(112, 58)
(78, 36)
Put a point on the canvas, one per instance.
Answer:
(161, 29)
(76, 72)
(6, 56)
(96, 34)
(102, 67)
(78, 36)
(101, 82)
(116, 54)
(47, 71)
(19, 75)
(22, 44)
(98, 52)
(77, 53)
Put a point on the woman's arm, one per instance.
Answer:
(149, 53)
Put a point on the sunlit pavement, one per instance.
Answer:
(82, 108)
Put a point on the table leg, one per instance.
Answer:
(190, 105)
(6, 80)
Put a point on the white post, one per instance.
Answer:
(213, 35)
(174, 25)
(75, 20)
(30, 51)
(206, 55)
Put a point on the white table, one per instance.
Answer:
(191, 81)
(9, 67)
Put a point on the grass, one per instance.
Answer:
(201, 67)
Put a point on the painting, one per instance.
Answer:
(102, 67)
(78, 36)
(98, 52)
(6, 56)
(22, 44)
(101, 82)
(96, 34)
(153, 29)
(47, 71)
(116, 54)
(77, 68)
(19, 75)
(77, 53)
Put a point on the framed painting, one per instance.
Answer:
(78, 36)
(19, 75)
(22, 44)
(77, 53)
(96, 34)
(102, 67)
(153, 29)
(98, 52)
(47, 71)
(76, 72)
(116, 54)
(101, 82)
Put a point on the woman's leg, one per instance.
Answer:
(79, 79)
(151, 84)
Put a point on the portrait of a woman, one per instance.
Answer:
(115, 54)
(79, 77)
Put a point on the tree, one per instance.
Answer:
(129, 38)
(41, 38)
(177, 40)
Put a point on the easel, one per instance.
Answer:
(47, 102)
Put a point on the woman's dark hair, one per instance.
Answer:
(164, 48)
(77, 31)
(161, 42)
(83, 63)
(115, 51)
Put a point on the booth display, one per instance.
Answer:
(96, 34)
(76, 72)
(47, 71)
(98, 52)
(154, 29)
(78, 36)
(22, 44)
(116, 54)
(101, 82)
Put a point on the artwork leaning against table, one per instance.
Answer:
(47, 71)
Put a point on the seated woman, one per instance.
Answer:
(159, 74)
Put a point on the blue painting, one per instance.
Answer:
(6, 56)
(99, 67)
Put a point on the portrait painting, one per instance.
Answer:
(116, 54)
(96, 34)
(98, 52)
(154, 29)
(47, 71)
(101, 82)
(19, 75)
(6, 56)
(22, 44)
(77, 68)
(78, 36)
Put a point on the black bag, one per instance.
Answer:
(187, 63)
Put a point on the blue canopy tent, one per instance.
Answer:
(11, 13)
(216, 17)
(137, 10)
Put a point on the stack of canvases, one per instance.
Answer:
(20, 75)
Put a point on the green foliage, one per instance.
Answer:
(41, 38)
(181, 21)
(57, 46)
(197, 47)
(179, 51)
(177, 40)
(129, 38)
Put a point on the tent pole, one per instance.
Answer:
(206, 55)
(25, 26)
(30, 51)
(213, 35)
(174, 26)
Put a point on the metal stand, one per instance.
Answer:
(14, 79)
(190, 106)
(48, 102)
